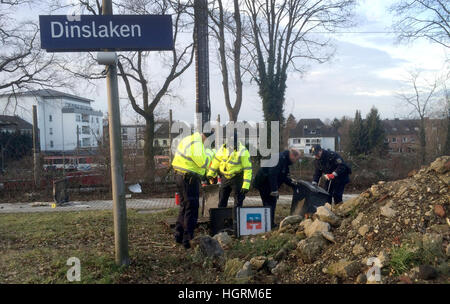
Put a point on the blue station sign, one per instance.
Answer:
(62, 33)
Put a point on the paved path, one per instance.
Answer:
(140, 204)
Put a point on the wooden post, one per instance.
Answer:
(36, 149)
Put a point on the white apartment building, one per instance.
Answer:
(66, 122)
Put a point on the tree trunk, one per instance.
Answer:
(149, 152)
(273, 101)
(422, 140)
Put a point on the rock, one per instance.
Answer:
(441, 164)
(280, 269)
(258, 262)
(291, 220)
(310, 249)
(439, 210)
(405, 279)
(208, 247)
(344, 269)
(358, 249)
(271, 264)
(328, 236)
(224, 239)
(447, 250)
(281, 254)
(316, 226)
(346, 207)
(361, 279)
(384, 259)
(427, 272)
(363, 230)
(440, 228)
(357, 221)
(306, 223)
(328, 206)
(432, 242)
(387, 211)
(326, 215)
(245, 272)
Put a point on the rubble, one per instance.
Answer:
(399, 230)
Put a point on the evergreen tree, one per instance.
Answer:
(358, 143)
(375, 132)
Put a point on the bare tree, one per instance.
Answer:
(420, 98)
(227, 26)
(133, 70)
(22, 62)
(282, 38)
(144, 90)
(423, 19)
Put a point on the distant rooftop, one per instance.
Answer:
(312, 127)
(49, 93)
(14, 121)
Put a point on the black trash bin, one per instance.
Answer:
(313, 196)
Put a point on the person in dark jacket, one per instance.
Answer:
(269, 179)
(335, 170)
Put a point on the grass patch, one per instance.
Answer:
(403, 259)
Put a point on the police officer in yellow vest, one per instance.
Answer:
(190, 164)
(233, 164)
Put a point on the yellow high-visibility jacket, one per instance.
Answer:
(229, 163)
(190, 156)
(210, 153)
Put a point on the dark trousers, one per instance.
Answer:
(337, 188)
(188, 187)
(234, 185)
(268, 200)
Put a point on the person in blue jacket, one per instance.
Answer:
(269, 179)
(336, 172)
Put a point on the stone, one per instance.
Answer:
(346, 207)
(326, 215)
(258, 262)
(440, 228)
(387, 211)
(357, 221)
(280, 268)
(344, 269)
(245, 272)
(306, 223)
(281, 254)
(291, 220)
(224, 239)
(358, 249)
(439, 210)
(310, 249)
(316, 226)
(384, 259)
(361, 279)
(432, 242)
(271, 264)
(363, 230)
(404, 279)
(208, 247)
(441, 164)
(447, 250)
(427, 272)
(328, 236)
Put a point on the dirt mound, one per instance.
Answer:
(398, 230)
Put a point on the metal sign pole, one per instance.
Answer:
(117, 181)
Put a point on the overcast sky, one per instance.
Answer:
(367, 70)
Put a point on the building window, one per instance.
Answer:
(405, 139)
(50, 118)
(51, 144)
(96, 119)
(50, 131)
(156, 143)
(164, 142)
(124, 130)
(86, 142)
(413, 139)
(78, 118)
(85, 130)
(394, 139)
